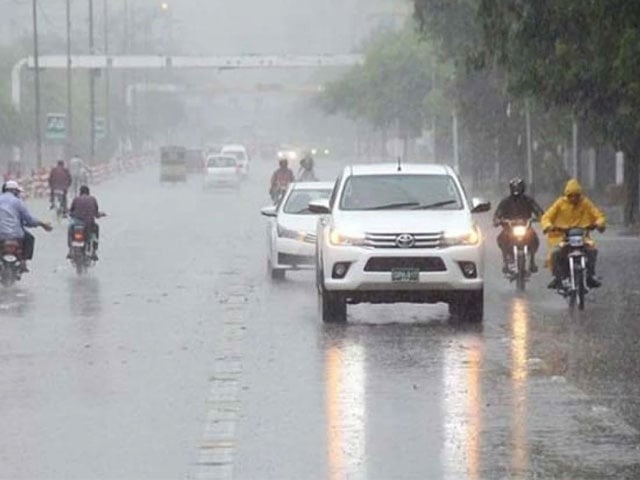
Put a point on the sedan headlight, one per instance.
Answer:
(465, 237)
(345, 238)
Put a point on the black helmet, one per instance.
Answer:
(517, 187)
(283, 162)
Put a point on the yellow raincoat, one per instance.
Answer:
(563, 214)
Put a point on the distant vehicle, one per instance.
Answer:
(291, 236)
(10, 261)
(292, 154)
(83, 244)
(195, 160)
(173, 164)
(399, 234)
(58, 204)
(212, 150)
(241, 155)
(222, 170)
(320, 151)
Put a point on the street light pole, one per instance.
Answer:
(164, 6)
(36, 64)
(92, 91)
(69, 144)
(107, 80)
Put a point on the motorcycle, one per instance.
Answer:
(58, 205)
(574, 287)
(519, 272)
(277, 194)
(83, 245)
(10, 262)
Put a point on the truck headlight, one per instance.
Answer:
(465, 237)
(345, 238)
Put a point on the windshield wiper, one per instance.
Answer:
(434, 205)
(391, 206)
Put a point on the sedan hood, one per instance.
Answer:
(301, 223)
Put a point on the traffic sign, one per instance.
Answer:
(56, 126)
(100, 127)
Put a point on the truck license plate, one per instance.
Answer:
(405, 275)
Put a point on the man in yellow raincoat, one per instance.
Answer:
(573, 209)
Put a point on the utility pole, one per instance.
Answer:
(69, 143)
(575, 157)
(107, 79)
(37, 85)
(92, 91)
(527, 115)
(433, 118)
(456, 148)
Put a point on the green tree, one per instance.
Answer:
(392, 86)
(578, 54)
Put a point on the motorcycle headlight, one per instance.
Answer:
(465, 237)
(344, 238)
(519, 230)
(576, 241)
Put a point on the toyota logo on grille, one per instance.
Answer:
(405, 241)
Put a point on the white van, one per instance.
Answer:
(241, 155)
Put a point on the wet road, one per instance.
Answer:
(176, 357)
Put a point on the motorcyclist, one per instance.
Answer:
(573, 209)
(84, 210)
(79, 173)
(281, 179)
(517, 206)
(14, 217)
(306, 172)
(59, 179)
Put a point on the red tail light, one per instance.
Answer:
(10, 247)
(78, 236)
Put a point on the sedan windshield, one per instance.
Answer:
(401, 192)
(298, 201)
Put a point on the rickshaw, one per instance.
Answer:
(173, 164)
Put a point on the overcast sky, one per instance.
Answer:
(215, 26)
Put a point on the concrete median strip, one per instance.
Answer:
(217, 448)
